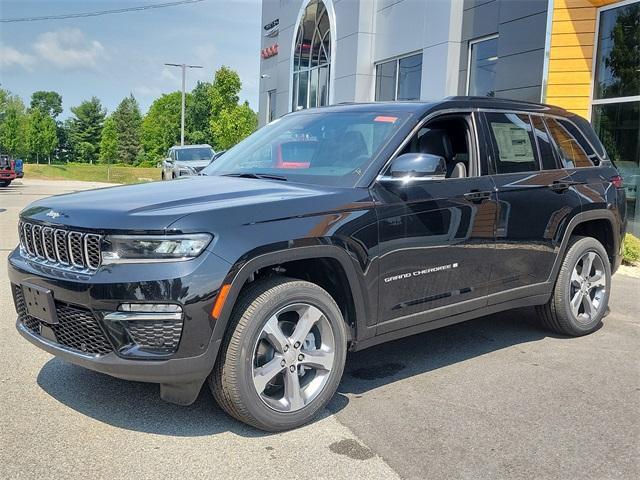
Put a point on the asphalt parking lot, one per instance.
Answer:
(493, 398)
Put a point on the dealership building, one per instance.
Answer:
(582, 55)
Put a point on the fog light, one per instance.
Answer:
(150, 307)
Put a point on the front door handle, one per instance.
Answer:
(561, 186)
(477, 196)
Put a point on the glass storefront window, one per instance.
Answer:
(312, 56)
(483, 58)
(399, 79)
(618, 126)
(409, 76)
(616, 97)
(618, 62)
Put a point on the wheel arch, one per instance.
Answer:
(587, 224)
(241, 273)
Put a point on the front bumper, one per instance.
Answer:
(193, 285)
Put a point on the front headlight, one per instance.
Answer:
(153, 248)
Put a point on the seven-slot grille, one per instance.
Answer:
(61, 247)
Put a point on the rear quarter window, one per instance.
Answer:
(574, 150)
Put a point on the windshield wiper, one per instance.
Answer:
(267, 176)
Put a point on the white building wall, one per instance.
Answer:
(366, 32)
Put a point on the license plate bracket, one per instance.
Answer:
(40, 303)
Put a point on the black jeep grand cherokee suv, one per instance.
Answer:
(329, 230)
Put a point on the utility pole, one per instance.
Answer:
(184, 69)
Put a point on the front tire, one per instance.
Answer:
(581, 295)
(283, 356)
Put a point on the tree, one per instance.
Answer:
(49, 103)
(623, 60)
(230, 122)
(233, 124)
(198, 115)
(128, 122)
(13, 124)
(161, 125)
(86, 127)
(109, 142)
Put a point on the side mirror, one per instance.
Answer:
(425, 166)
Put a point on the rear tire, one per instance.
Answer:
(581, 294)
(283, 356)
(5, 183)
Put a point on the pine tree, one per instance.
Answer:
(109, 142)
(86, 128)
(128, 123)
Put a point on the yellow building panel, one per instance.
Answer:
(579, 51)
(582, 113)
(580, 103)
(562, 4)
(564, 14)
(602, 3)
(570, 65)
(569, 78)
(574, 26)
(569, 90)
(572, 40)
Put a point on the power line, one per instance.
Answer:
(98, 13)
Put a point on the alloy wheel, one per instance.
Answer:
(588, 287)
(293, 357)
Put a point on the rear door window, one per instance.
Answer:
(547, 156)
(513, 142)
(574, 150)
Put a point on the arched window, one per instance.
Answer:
(311, 58)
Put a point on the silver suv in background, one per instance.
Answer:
(186, 160)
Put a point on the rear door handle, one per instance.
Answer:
(476, 196)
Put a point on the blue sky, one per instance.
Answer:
(111, 56)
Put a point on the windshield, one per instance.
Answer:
(324, 148)
(193, 154)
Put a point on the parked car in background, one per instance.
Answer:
(7, 170)
(186, 160)
(19, 167)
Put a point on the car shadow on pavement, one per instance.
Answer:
(419, 354)
(137, 406)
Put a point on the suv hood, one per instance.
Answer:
(155, 206)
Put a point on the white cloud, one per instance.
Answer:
(147, 91)
(69, 49)
(9, 57)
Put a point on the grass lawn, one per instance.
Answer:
(93, 173)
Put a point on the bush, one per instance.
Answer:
(631, 250)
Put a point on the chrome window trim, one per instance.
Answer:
(471, 110)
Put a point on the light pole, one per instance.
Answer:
(184, 69)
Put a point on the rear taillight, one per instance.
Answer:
(616, 181)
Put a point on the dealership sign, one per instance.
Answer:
(269, 51)
(272, 29)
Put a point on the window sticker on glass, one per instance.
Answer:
(384, 118)
(514, 144)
